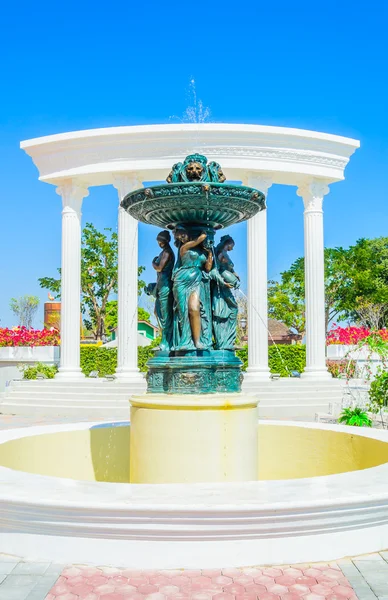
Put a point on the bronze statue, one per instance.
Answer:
(191, 289)
(196, 168)
(224, 304)
(162, 290)
(195, 304)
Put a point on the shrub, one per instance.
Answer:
(355, 416)
(144, 353)
(32, 371)
(104, 360)
(93, 358)
(242, 353)
(281, 359)
(97, 358)
(342, 368)
(378, 392)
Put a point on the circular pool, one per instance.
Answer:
(321, 493)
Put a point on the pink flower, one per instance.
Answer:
(352, 335)
(20, 336)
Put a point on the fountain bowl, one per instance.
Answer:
(322, 494)
(207, 204)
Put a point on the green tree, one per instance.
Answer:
(111, 306)
(286, 299)
(99, 273)
(143, 314)
(111, 315)
(365, 297)
(25, 309)
(356, 287)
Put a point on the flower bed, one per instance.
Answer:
(21, 336)
(351, 336)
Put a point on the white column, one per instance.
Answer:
(312, 194)
(258, 369)
(127, 368)
(72, 195)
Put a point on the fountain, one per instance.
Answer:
(194, 479)
(194, 424)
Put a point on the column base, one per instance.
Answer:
(68, 374)
(253, 377)
(316, 374)
(129, 375)
(258, 371)
(193, 438)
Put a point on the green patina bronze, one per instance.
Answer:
(162, 289)
(194, 301)
(224, 304)
(197, 372)
(194, 195)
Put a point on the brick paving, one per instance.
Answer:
(42, 581)
(359, 578)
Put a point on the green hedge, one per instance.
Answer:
(94, 358)
(280, 358)
(294, 356)
(104, 360)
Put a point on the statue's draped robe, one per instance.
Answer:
(164, 302)
(189, 277)
(224, 308)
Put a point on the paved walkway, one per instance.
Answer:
(361, 578)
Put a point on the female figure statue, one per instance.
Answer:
(191, 289)
(224, 305)
(163, 265)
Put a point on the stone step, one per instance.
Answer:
(296, 393)
(65, 391)
(94, 412)
(295, 383)
(113, 411)
(325, 418)
(267, 407)
(88, 383)
(98, 398)
(57, 396)
(283, 381)
(290, 411)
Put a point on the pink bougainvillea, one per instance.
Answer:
(21, 336)
(352, 335)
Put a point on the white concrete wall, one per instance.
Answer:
(362, 356)
(11, 357)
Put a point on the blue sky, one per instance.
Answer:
(80, 65)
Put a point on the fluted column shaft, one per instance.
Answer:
(257, 288)
(127, 283)
(72, 195)
(312, 194)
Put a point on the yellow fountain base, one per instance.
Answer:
(193, 438)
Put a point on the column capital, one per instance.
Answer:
(72, 194)
(126, 183)
(260, 181)
(312, 192)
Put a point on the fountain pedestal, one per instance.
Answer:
(193, 425)
(193, 438)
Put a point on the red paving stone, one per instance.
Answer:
(299, 582)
